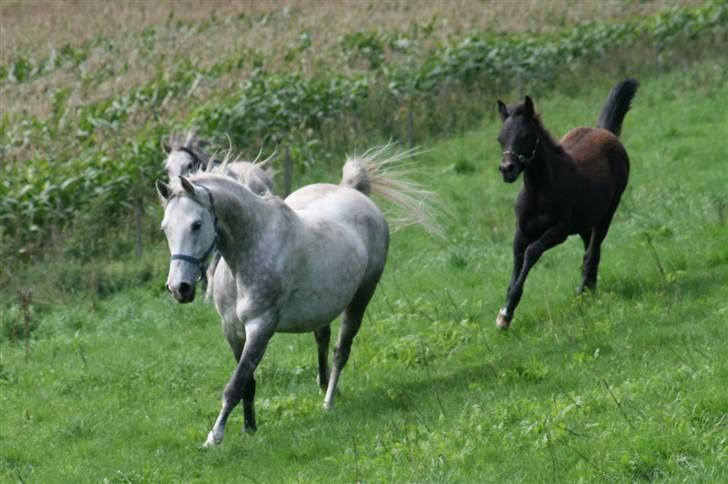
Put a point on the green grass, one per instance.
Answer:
(627, 384)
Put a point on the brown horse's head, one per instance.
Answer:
(519, 138)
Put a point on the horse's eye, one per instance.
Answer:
(196, 226)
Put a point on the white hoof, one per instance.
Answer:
(503, 321)
(211, 441)
(328, 406)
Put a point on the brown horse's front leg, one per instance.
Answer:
(552, 237)
(257, 335)
(520, 242)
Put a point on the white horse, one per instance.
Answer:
(186, 155)
(288, 266)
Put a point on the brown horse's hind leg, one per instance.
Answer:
(586, 239)
(593, 254)
(323, 337)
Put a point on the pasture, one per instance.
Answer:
(622, 385)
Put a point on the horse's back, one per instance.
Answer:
(587, 144)
(341, 203)
(251, 175)
(326, 205)
(598, 154)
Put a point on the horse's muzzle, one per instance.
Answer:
(509, 170)
(183, 292)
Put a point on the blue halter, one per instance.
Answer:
(201, 261)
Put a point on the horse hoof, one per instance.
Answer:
(328, 406)
(211, 441)
(503, 321)
(250, 429)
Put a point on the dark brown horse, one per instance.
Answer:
(569, 188)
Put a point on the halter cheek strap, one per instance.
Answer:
(522, 158)
(196, 159)
(200, 261)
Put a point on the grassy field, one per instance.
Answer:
(628, 384)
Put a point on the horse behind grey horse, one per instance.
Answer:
(187, 154)
(288, 266)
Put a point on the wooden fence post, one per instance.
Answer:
(25, 297)
(410, 126)
(138, 212)
(287, 172)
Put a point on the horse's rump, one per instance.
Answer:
(602, 166)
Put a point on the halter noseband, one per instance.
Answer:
(200, 262)
(522, 158)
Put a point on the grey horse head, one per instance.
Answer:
(185, 154)
(190, 225)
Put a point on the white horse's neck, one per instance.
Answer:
(247, 223)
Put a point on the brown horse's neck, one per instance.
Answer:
(539, 174)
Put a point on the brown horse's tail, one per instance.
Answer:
(617, 105)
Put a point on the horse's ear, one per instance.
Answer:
(502, 110)
(163, 189)
(187, 185)
(528, 109)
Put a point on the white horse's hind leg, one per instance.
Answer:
(323, 338)
(349, 327)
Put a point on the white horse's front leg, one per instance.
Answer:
(257, 334)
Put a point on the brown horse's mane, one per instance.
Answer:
(545, 135)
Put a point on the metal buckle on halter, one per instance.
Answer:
(200, 263)
(522, 158)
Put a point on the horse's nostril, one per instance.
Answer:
(510, 168)
(185, 289)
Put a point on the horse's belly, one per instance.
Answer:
(316, 305)
(325, 288)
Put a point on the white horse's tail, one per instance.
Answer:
(372, 174)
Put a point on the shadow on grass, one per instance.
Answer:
(696, 281)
